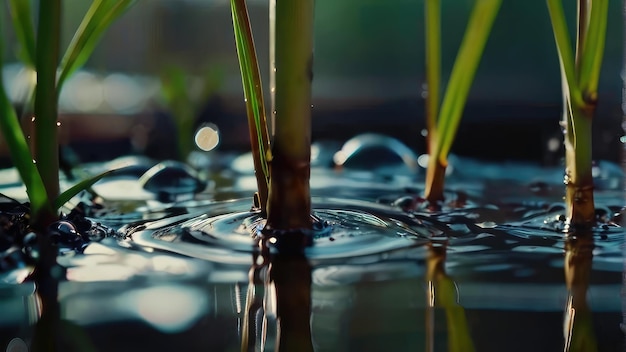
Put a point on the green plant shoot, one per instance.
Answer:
(253, 95)
(580, 73)
(184, 105)
(442, 129)
(39, 167)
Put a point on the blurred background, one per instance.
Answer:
(369, 75)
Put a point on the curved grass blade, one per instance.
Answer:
(21, 16)
(253, 94)
(18, 148)
(465, 67)
(564, 48)
(101, 14)
(81, 186)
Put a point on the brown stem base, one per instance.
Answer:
(435, 176)
(580, 207)
(289, 203)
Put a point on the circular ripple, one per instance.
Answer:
(355, 231)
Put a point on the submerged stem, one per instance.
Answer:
(289, 201)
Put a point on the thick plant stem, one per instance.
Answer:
(579, 76)
(289, 199)
(578, 167)
(46, 152)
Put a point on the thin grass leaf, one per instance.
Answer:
(99, 17)
(564, 48)
(465, 67)
(21, 16)
(593, 51)
(433, 65)
(18, 148)
(253, 94)
(20, 153)
(81, 186)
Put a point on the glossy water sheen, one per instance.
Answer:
(382, 278)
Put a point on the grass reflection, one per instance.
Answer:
(578, 324)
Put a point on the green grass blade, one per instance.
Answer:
(593, 50)
(101, 14)
(564, 48)
(20, 153)
(81, 186)
(465, 66)
(46, 145)
(253, 94)
(433, 64)
(18, 147)
(21, 15)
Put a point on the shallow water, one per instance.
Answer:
(496, 272)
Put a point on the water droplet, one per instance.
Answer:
(34, 161)
(32, 119)
(424, 132)
(622, 139)
(553, 144)
(311, 106)
(28, 137)
(58, 123)
(207, 137)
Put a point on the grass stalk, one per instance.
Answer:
(46, 152)
(433, 67)
(463, 71)
(291, 36)
(253, 95)
(580, 76)
(21, 14)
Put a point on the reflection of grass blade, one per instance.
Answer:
(459, 338)
(21, 15)
(253, 94)
(97, 19)
(465, 66)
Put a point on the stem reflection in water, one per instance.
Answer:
(279, 312)
(442, 292)
(578, 325)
